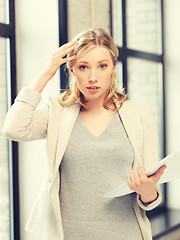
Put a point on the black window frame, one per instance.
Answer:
(124, 54)
(8, 31)
(166, 220)
(63, 36)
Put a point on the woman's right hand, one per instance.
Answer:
(57, 59)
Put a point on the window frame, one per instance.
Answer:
(124, 53)
(7, 31)
(165, 220)
(63, 36)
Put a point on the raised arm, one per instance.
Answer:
(57, 59)
(27, 120)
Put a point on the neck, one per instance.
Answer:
(95, 106)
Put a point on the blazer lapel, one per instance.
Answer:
(68, 120)
(132, 125)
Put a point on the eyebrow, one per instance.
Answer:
(104, 60)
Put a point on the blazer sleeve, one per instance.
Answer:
(26, 120)
(150, 150)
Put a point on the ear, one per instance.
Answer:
(71, 69)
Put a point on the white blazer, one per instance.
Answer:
(27, 120)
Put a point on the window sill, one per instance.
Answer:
(164, 223)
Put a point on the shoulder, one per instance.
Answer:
(136, 106)
(140, 110)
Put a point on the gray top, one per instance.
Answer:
(91, 167)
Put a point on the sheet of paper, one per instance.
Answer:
(171, 173)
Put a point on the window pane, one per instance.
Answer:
(119, 74)
(5, 146)
(144, 25)
(117, 22)
(4, 11)
(145, 85)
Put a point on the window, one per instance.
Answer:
(137, 29)
(9, 197)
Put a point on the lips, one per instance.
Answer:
(93, 87)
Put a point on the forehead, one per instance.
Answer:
(97, 53)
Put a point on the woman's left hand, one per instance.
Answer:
(143, 185)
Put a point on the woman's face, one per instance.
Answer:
(93, 73)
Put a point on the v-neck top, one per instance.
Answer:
(91, 167)
(93, 137)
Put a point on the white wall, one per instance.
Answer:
(172, 65)
(37, 38)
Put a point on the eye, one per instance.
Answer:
(83, 67)
(103, 66)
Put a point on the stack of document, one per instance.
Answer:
(171, 173)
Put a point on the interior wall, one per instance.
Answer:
(37, 39)
(172, 89)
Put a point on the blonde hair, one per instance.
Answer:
(88, 40)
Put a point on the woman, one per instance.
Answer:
(96, 141)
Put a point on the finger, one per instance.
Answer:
(156, 177)
(131, 176)
(129, 182)
(69, 44)
(64, 47)
(162, 168)
(62, 53)
(134, 178)
(136, 175)
(68, 59)
(70, 49)
(142, 174)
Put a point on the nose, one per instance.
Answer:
(92, 76)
